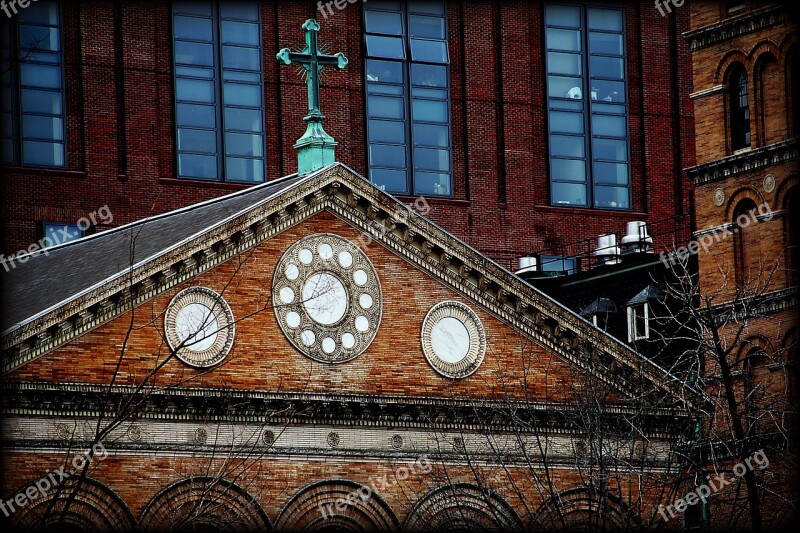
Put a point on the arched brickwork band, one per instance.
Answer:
(462, 507)
(95, 508)
(204, 504)
(315, 508)
(584, 509)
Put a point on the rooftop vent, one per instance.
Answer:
(526, 264)
(607, 252)
(636, 239)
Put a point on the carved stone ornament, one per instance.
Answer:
(453, 339)
(327, 298)
(199, 324)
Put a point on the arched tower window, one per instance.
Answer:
(739, 108)
(745, 244)
(793, 78)
(793, 234)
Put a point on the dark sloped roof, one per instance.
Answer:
(48, 279)
(648, 294)
(599, 305)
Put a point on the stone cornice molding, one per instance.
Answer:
(733, 27)
(754, 160)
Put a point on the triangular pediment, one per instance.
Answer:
(49, 305)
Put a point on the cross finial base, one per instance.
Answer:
(315, 149)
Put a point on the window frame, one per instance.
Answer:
(406, 65)
(633, 329)
(15, 87)
(588, 111)
(740, 129)
(220, 129)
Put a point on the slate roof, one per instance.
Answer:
(48, 279)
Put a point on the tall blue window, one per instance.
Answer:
(32, 86)
(587, 107)
(219, 104)
(408, 96)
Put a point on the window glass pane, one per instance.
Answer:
(194, 90)
(7, 151)
(431, 135)
(240, 33)
(430, 51)
(437, 94)
(564, 63)
(40, 76)
(615, 150)
(43, 57)
(192, 8)
(42, 153)
(389, 180)
(430, 110)
(609, 91)
(604, 19)
(608, 108)
(196, 115)
(5, 125)
(565, 146)
(605, 43)
(56, 234)
(391, 47)
(197, 140)
(244, 144)
(432, 159)
(565, 87)
(239, 94)
(421, 6)
(611, 197)
(50, 128)
(383, 155)
(195, 72)
(241, 58)
(432, 183)
(386, 131)
(569, 40)
(239, 10)
(568, 170)
(38, 38)
(192, 28)
(429, 75)
(34, 101)
(247, 170)
(40, 13)
(426, 27)
(611, 126)
(235, 75)
(611, 173)
(187, 53)
(385, 107)
(197, 166)
(572, 104)
(243, 119)
(384, 71)
(383, 22)
(556, 15)
(606, 67)
(569, 193)
(395, 90)
(566, 122)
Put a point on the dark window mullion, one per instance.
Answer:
(587, 103)
(219, 105)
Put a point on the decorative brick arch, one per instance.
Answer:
(315, 508)
(95, 508)
(761, 48)
(738, 196)
(785, 190)
(758, 342)
(727, 62)
(204, 503)
(788, 43)
(462, 507)
(584, 509)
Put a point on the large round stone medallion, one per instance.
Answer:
(199, 324)
(453, 339)
(327, 298)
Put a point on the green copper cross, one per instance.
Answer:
(315, 147)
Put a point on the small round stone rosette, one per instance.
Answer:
(327, 298)
(453, 339)
(199, 324)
